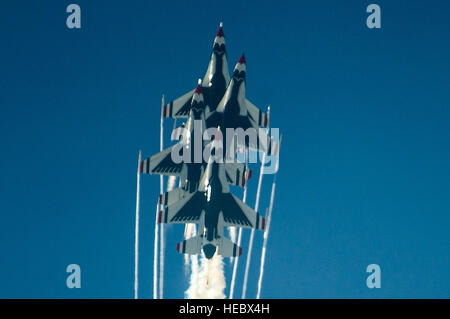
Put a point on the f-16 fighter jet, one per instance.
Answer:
(212, 207)
(190, 166)
(214, 85)
(214, 82)
(235, 111)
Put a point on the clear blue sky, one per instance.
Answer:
(365, 167)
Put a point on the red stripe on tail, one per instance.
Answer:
(160, 216)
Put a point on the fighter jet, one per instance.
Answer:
(214, 86)
(190, 171)
(212, 207)
(235, 111)
(214, 82)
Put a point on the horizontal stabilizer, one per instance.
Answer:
(190, 246)
(229, 249)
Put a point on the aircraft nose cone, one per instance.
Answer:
(198, 89)
(242, 59)
(209, 250)
(220, 32)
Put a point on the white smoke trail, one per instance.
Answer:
(216, 278)
(161, 262)
(155, 256)
(161, 190)
(208, 279)
(252, 234)
(136, 230)
(268, 220)
(236, 260)
(266, 237)
(170, 186)
(191, 293)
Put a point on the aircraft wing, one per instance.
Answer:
(237, 214)
(184, 211)
(162, 164)
(180, 107)
(168, 198)
(258, 116)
